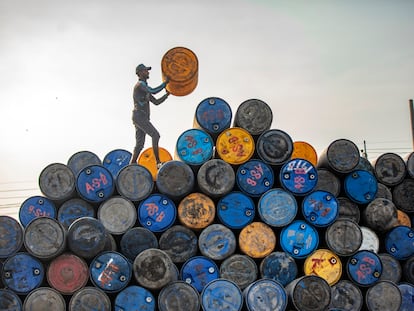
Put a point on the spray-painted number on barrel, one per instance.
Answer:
(318, 206)
(108, 273)
(255, 175)
(299, 168)
(236, 147)
(365, 268)
(192, 143)
(37, 211)
(152, 209)
(212, 115)
(96, 183)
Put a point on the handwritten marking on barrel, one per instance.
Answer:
(37, 212)
(153, 209)
(96, 183)
(255, 175)
(108, 273)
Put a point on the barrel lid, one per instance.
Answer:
(324, 263)
(221, 294)
(304, 150)
(57, 182)
(82, 159)
(147, 159)
(117, 214)
(11, 236)
(36, 206)
(274, 147)
(384, 295)
(115, 160)
(44, 298)
(277, 207)
(320, 208)
(364, 268)
(216, 178)
(341, 156)
(213, 114)
(157, 212)
(198, 271)
(361, 186)
(194, 147)
(90, 296)
(240, 269)
(266, 294)
(348, 209)
(403, 195)
(344, 237)
(179, 295)
(137, 239)
(279, 266)
(365, 165)
(22, 273)
(179, 242)
(346, 296)
(407, 294)
(95, 184)
(235, 145)
(391, 268)
(253, 115)
(408, 269)
(328, 181)
(74, 209)
(399, 242)
(175, 179)
(299, 239)
(9, 300)
(298, 176)
(134, 297)
(217, 242)
(370, 240)
(390, 169)
(254, 177)
(236, 210)
(196, 211)
(381, 215)
(257, 240)
(384, 192)
(134, 182)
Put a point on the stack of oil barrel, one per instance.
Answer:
(240, 218)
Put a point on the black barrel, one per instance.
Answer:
(136, 240)
(253, 115)
(389, 169)
(384, 295)
(11, 236)
(391, 268)
(134, 182)
(57, 182)
(348, 209)
(275, 147)
(408, 270)
(179, 242)
(380, 215)
(344, 237)
(240, 269)
(74, 209)
(403, 195)
(328, 181)
(216, 178)
(81, 159)
(44, 298)
(346, 296)
(178, 295)
(90, 298)
(341, 156)
(117, 214)
(384, 192)
(409, 164)
(9, 300)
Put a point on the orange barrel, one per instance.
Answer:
(179, 295)
(217, 242)
(390, 169)
(257, 240)
(90, 296)
(57, 182)
(180, 66)
(325, 264)
(346, 296)
(11, 236)
(67, 273)
(403, 195)
(274, 147)
(344, 237)
(384, 295)
(79, 160)
(370, 240)
(348, 209)
(253, 115)
(240, 269)
(134, 182)
(196, 211)
(117, 214)
(391, 268)
(235, 145)
(44, 298)
(74, 209)
(328, 181)
(179, 242)
(175, 179)
(279, 266)
(216, 178)
(304, 150)
(194, 147)
(341, 156)
(380, 215)
(403, 218)
(136, 240)
(147, 159)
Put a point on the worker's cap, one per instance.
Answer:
(141, 67)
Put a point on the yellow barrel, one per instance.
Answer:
(325, 264)
(235, 145)
(180, 66)
(403, 219)
(257, 240)
(196, 211)
(304, 150)
(147, 159)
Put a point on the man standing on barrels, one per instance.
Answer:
(143, 94)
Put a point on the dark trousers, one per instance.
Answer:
(143, 126)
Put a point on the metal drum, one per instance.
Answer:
(403, 195)
(95, 184)
(134, 182)
(380, 215)
(213, 115)
(22, 273)
(179, 242)
(298, 176)
(9, 300)
(365, 165)
(364, 268)
(304, 150)
(277, 207)
(157, 212)
(199, 271)
(236, 210)
(147, 159)
(384, 192)
(116, 160)
(34, 207)
(11, 236)
(279, 266)
(299, 239)
(384, 295)
(320, 208)
(253, 115)
(235, 145)
(217, 242)
(391, 268)
(57, 182)
(328, 181)
(44, 298)
(370, 240)
(341, 156)
(409, 164)
(179, 295)
(344, 237)
(74, 209)
(220, 295)
(134, 297)
(325, 264)
(408, 270)
(79, 160)
(275, 147)
(240, 269)
(254, 177)
(361, 186)
(257, 240)
(194, 147)
(216, 178)
(117, 214)
(403, 218)
(67, 273)
(91, 298)
(110, 271)
(399, 242)
(346, 296)
(136, 240)
(265, 294)
(407, 294)
(196, 211)
(348, 209)
(389, 169)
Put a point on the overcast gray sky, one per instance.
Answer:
(328, 69)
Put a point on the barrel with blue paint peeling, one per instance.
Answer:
(134, 297)
(265, 294)
(364, 268)
(81, 159)
(95, 184)
(320, 208)
(135, 240)
(407, 294)
(254, 177)
(74, 209)
(9, 300)
(275, 147)
(221, 295)
(361, 186)
(298, 176)
(157, 212)
(279, 266)
(134, 182)
(194, 147)
(299, 239)
(399, 242)
(179, 295)
(36, 206)
(11, 236)
(236, 210)
(179, 242)
(199, 271)
(277, 207)
(115, 160)
(217, 242)
(90, 298)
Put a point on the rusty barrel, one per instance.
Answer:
(57, 182)
(196, 211)
(179, 242)
(216, 178)
(235, 145)
(304, 150)
(341, 156)
(221, 295)
(90, 297)
(115, 160)
(274, 147)
(74, 209)
(135, 240)
(135, 297)
(179, 295)
(34, 207)
(325, 264)
(194, 147)
(81, 159)
(134, 182)
(44, 298)
(157, 212)
(253, 115)
(257, 240)
(147, 159)
(117, 214)
(241, 269)
(11, 236)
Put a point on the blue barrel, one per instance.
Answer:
(90, 298)
(399, 242)
(254, 177)
(361, 186)
(198, 271)
(391, 268)
(346, 296)
(95, 184)
(57, 182)
(277, 207)
(279, 266)
(11, 236)
(36, 206)
(299, 239)
(194, 147)
(364, 268)
(383, 295)
(274, 147)
(221, 295)
(136, 240)
(117, 214)
(241, 269)
(236, 210)
(22, 273)
(44, 298)
(115, 160)
(298, 176)
(179, 295)
(81, 159)
(217, 242)
(320, 208)
(110, 271)
(134, 182)
(133, 298)
(265, 294)
(213, 115)
(157, 212)
(74, 209)
(179, 242)
(407, 294)
(9, 300)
